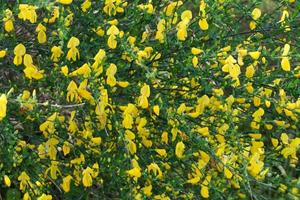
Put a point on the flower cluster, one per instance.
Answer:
(181, 99)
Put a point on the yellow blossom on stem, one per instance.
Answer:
(87, 179)
(41, 30)
(56, 53)
(180, 147)
(19, 52)
(6, 180)
(8, 21)
(3, 105)
(66, 183)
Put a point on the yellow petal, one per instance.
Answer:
(2, 53)
(65, 2)
(3, 104)
(250, 71)
(7, 181)
(204, 192)
(187, 14)
(19, 50)
(256, 13)
(112, 42)
(66, 183)
(156, 109)
(179, 149)
(203, 24)
(42, 37)
(73, 42)
(286, 49)
(123, 84)
(196, 51)
(227, 173)
(113, 30)
(254, 54)
(285, 64)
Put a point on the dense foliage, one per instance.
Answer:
(149, 99)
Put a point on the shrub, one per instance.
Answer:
(149, 99)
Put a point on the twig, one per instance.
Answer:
(61, 106)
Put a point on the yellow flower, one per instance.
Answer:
(182, 33)
(145, 90)
(56, 53)
(195, 61)
(127, 121)
(256, 13)
(24, 180)
(134, 173)
(123, 84)
(169, 9)
(258, 114)
(3, 104)
(32, 72)
(73, 52)
(41, 30)
(64, 70)
(156, 109)
(8, 21)
(160, 35)
(110, 73)
(19, 52)
(179, 149)
(161, 152)
(27, 12)
(83, 70)
(255, 165)
(7, 181)
(148, 7)
(143, 102)
(203, 131)
(113, 30)
(285, 14)
(26, 196)
(96, 140)
(284, 138)
(87, 179)
(187, 14)
(250, 71)
(165, 137)
(285, 64)
(66, 183)
(286, 50)
(131, 146)
(53, 170)
(254, 54)
(8, 26)
(82, 92)
(86, 5)
(196, 51)
(112, 42)
(2, 53)
(54, 16)
(227, 173)
(154, 168)
(203, 24)
(45, 197)
(147, 190)
(66, 148)
(252, 25)
(204, 192)
(65, 2)
(72, 91)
